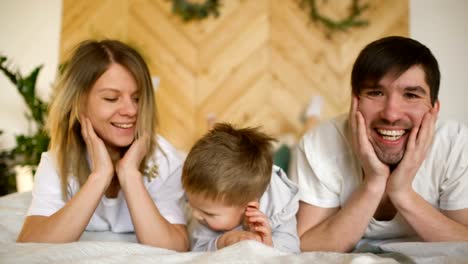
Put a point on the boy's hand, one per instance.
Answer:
(257, 222)
(235, 236)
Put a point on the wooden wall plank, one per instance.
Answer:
(257, 64)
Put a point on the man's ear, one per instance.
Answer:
(437, 106)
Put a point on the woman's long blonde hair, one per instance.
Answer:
(89, 61)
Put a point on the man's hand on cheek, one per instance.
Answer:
(417, 148)
(374, 170)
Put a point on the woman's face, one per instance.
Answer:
(112, 106)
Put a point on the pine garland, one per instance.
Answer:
(195, 11)
(341, 25)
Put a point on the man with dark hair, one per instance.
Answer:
(388, 169)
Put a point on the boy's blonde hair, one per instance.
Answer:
(89, 61)
(230, 165)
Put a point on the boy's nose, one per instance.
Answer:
(197, 215)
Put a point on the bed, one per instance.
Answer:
(106, 247)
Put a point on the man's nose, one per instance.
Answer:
(392, 109)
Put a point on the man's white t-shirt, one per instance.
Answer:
(328, 172)
(112, 213)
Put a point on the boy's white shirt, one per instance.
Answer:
(112, 213)
(279, 203)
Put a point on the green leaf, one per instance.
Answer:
(29, 148)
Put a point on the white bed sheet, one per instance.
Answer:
(107, 247)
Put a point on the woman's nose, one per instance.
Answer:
(129, 107)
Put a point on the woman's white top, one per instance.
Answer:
(112, 213)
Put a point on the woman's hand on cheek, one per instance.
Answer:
(101, 163)
(129, 165)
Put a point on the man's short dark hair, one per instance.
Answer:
(394, 55)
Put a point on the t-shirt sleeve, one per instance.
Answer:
(169, 197)
(166, 190)
(203, 239)
(46, 192)
(318, 181)
(454, 188)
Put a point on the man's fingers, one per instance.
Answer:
(412, 139)
(353, 119)
(426, 132)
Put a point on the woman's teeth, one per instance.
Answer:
(122, 125)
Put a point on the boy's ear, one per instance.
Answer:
(253, 204)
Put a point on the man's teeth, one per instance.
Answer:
(123, 125)
(391, 134)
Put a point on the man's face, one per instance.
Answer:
(392, 109)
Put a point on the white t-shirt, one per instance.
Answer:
(279, 203)
(328, 172)
(112, 213)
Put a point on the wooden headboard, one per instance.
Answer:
(257, 64)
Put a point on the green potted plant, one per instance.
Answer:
(29, 147)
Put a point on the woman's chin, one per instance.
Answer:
(120, 143)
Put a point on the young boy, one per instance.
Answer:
(237, 194)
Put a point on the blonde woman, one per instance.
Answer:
(106, 168)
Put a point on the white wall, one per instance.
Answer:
(29, 36)
(442, 25)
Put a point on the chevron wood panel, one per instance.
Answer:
(257, 64)
(92, 19)
(172, 56)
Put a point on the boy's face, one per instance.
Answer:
(215, 214)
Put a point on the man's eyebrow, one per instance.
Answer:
(416, 89)
(372, 87)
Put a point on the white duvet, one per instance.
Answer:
(106, 247)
